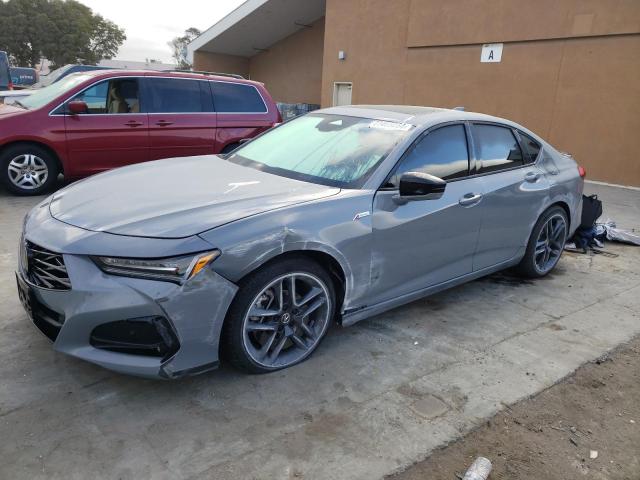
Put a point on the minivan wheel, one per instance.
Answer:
(28, 169)
(279, 316)
(545, 244)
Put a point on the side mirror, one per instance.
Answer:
(421, 186)
(77, 106)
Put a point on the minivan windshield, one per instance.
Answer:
(334, 150)
(44, 95)
(51, 77)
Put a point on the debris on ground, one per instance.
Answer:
(479, 469)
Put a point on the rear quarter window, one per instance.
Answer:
(531, 147)
(237, 98)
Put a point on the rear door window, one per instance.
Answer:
(237, 98)
(497, 148)
(442, 153)
(177, 95)
(531, 148)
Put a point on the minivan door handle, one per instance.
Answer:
(531, 177)
(133, 123)
(163, 123)
(470, 199)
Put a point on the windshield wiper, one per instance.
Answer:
(19, 103)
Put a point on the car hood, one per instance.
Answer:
(16, 93)
(7, 110)
(177, 198)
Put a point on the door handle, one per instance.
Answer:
(163, 123)
(531, 177)
(133, 123)
(470, 199)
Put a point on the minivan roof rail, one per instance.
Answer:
(202, 72)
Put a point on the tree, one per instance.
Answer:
(179, 47)
(61, 31)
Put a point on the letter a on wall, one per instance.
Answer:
(491, 52)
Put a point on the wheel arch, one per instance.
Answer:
(564, 206)
(324, 259)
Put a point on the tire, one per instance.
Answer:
(533, 264)
(28, 169)
(245, 337)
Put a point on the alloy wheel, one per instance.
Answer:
(286, 320)
(550, 243)
(28, 171)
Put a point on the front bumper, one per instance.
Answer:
(194, 311)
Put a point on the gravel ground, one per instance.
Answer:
(554, 434)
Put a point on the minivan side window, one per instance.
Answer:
(118, 95)
(531, 147)
(497, 148)
(237, 98)
(177, 95)
(442, 152)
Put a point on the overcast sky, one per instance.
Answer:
(150, 24)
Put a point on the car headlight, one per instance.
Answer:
(174, 269)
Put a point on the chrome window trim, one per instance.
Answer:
(51, 114)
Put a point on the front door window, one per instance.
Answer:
(111, 96)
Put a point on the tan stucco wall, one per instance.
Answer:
(291, 69)
(578, 90)
(217, 62)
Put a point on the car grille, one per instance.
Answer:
(45, 268)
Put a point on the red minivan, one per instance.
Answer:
(93, 121)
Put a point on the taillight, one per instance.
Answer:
(10, 85)
(581, 171)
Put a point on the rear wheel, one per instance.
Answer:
(545, 244)
(279, 316)
(28, 169)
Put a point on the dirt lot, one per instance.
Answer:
(551, 435)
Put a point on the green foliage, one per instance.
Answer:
(61, 31)
(179, 47)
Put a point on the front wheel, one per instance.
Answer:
(280, 315)
(28, 169)
(545, 244)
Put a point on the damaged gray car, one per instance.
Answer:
(161, 269)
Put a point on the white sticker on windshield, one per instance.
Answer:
(384, 125)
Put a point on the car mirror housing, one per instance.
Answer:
(421, 186)
(77, 106)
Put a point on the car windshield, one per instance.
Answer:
(41, 97)
(333, 150)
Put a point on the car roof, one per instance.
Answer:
(159, 73)
(414, 115)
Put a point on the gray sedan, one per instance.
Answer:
(161, 269)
